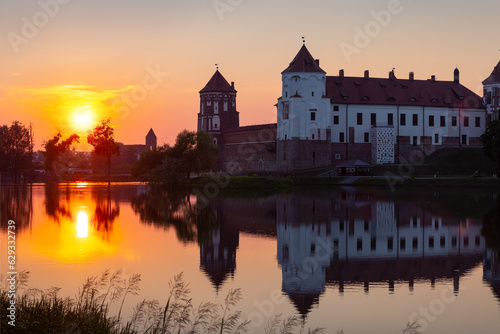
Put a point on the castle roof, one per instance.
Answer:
(393, 91)
(494, 76)
(217, 84)
(303, 62)
(151, 133)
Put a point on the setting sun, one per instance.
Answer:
(83, 118)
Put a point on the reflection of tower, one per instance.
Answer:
(304, 249)
(150, 140)
(218, 254)
(218, 107)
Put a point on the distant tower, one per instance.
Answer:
(218, 107)
(456, 76)
(150, 140)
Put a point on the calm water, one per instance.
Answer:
(365, 261)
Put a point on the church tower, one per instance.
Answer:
(150, 140)
(218, 107)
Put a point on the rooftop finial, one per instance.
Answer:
(217, 66)
(303, 40)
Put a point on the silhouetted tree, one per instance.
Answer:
(16, 147)
(193, 152)
(491, 142)
(103, 141)
(148, 162)
(54, 148)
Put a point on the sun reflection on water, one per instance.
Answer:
(82, 225)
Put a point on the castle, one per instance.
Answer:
(325, 120)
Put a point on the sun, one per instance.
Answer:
(83, 118)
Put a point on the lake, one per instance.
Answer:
(353, 259)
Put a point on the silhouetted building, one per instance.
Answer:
(150, 140)
(491, 93)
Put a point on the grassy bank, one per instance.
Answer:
(38, 311)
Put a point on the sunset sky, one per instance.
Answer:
(69, 63)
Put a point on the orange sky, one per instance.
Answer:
(143, 63)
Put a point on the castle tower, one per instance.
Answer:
(491, 93)
(303, 112)
(150, 140)
(218, 107)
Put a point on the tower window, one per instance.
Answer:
(313, 116)
(312, 93)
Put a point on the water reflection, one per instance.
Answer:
(16, 203)
(82, 225)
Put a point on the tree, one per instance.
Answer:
(16, 147)
(54, 148)
(491, 142)
(193, 152)
(101, 138)
(148, 162)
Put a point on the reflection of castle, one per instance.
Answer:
(342, 240)
(491, 270)
(219, 226)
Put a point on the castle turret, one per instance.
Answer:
(218, 107)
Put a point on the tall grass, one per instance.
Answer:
(44, 311)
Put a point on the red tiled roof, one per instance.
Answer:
(217, 84)
(303, 62)
(494, 76)
(271, 126)
(378, 91)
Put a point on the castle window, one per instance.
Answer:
(415, 140)
(436, 138)
(285, 111)
(341, 137)
(466, 121)
(209, 103)
(390, 119)
(313, 116)
(478, 122)
(335, 119)
(286, 94)
(402, 120)
(225, 105)
(415, 119)
(431, 120)
(464, 139)
(442, 121)
(312, 93)
(359, 118)
(335, 108)
(453, 120)
(367, 137)
(373, 119)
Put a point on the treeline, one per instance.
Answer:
(193, 152)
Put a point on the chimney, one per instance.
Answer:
(232, 84)
(412, 76)
(392, 76)
(316, 61)
(433, 78)
(341, 74)
(456, 76)
(367, 74)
